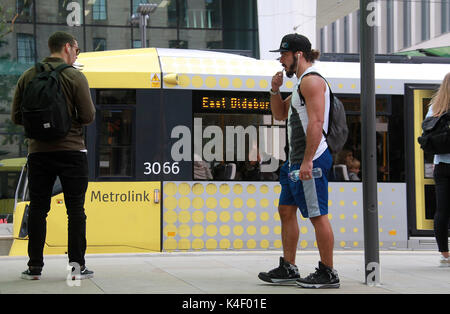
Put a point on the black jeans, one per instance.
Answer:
(442, 215)
(72, 169)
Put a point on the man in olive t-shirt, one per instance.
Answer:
(64, 158)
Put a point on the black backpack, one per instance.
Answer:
(435, 138)
(45, 114)
(337, 122)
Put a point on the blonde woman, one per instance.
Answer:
(439, 105)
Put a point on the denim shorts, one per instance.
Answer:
(310, 196)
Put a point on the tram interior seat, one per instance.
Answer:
(340, 173)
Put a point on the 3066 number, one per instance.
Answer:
(157, 168)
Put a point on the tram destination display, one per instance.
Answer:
(231, 102)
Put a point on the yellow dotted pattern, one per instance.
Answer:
(220, 216)
(229, 72)
(346, 215)
(244, 215)
(220, 73)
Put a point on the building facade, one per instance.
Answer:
(106, 25)
(401, 25)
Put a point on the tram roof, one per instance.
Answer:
(210, 70)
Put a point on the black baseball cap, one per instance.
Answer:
(294, 42)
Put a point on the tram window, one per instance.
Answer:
(235, 146)
(389, 140)
(116, 97)
(115, 141)
(352, 104)
(8, 183)
(352, 152)
(240, 139)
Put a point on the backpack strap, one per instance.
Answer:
(330, 112)
(41, 68)
(54, 72)
(62, 67)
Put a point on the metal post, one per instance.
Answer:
(143, 26)
(368, 134)
(141, 17)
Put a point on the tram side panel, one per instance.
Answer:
(164, 135)
(159, 141)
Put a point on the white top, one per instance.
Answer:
(298, 123)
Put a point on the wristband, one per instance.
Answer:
(274, 93)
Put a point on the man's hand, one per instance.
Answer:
(306, 170)
(277, 81)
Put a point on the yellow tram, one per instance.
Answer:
(184, 155)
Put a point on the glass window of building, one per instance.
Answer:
(25, 48)
(200, 13)
(99, 12)
(358, 30)
(193, 24)
(183, 44)
(390, 26)
(425, 19)
(25, 10)
(333, 37)
(445, 16)
(240, 24)
(406, 24)
(137, 43)
(99, 44)
(346, 34)
(322, 39)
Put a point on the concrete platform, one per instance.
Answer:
(404, 272)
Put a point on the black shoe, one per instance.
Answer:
(285, 273)
(324, 277)
(83, 273)
(32, 273)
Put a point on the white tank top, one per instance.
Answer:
(298, 123)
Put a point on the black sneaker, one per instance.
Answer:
(285, 273)
(32, 273)
(324, 277)
(83, 273)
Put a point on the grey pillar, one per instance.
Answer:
(368, 23)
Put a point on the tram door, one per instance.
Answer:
(421, 186)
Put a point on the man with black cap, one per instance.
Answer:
(306, 111)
